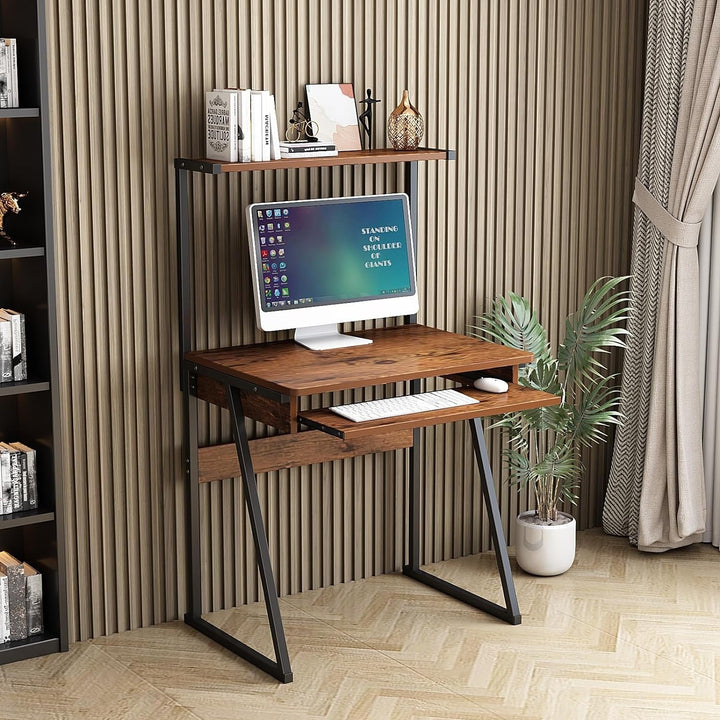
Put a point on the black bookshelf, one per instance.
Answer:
(29, 409)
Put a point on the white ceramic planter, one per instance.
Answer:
(544, 549)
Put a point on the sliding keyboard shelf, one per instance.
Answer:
(516, 398)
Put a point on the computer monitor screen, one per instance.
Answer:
(317, 263)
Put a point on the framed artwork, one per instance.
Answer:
(332, 107)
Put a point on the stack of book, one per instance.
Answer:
(13, 358)
(307, 148)
(18, 478)
(9, 94)
(21, 599)
(241, 126)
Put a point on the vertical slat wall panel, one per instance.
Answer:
(541, 100)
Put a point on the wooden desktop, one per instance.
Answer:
(267, 382)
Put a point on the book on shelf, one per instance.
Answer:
(15, 572)
(256, 122)
(6, 482)
(9, 91)
(245, 127)
(221, 125)
(265, 128)
(304, 148)
(30, 474)
(274, 137)
(242, 98)
(4, 74)
(33, 600)
(15, 475)
(6, 356)
(18, 478)
(18, 353)
(4, 608)
(21, 599)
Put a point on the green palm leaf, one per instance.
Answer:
(593, 328)
(596, 412)
(518, 467)
(512, 323)
(559, 462)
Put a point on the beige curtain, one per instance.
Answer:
(672, 498)
(709, 255)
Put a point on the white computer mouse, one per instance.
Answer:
(491, 384)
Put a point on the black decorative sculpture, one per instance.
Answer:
(366, 118)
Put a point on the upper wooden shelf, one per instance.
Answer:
(353, 157)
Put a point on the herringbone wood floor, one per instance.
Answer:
(622, 635)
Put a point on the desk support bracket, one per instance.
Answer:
(279, 668)
(511, 612)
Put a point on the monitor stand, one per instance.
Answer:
(326, 337)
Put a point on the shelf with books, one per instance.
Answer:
(26, 517)
(29, 409)
(350, 157)
(22, 387)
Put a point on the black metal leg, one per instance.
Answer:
(279, 668)
(414, 503)
(493, 510)
(190, 443)
(511, 612)
(185, 285)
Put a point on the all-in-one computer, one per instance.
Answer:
(317, 263)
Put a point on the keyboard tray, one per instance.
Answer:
(516, 398)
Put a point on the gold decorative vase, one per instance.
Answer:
(405, 125)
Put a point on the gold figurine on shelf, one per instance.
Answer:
(300, 127)
(9, 203)
(405, 125)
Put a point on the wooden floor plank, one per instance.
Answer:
(621, 635)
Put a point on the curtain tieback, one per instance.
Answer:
(677, 232)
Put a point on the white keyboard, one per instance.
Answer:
(402, 405)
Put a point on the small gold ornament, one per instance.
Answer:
(405, 125)
(9, 204)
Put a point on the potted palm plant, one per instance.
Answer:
(545, 445)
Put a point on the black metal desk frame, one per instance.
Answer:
(280, 667)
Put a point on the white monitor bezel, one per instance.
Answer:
(291, 318)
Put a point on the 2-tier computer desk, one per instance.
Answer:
(268, 382)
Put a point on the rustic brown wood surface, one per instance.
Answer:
(396, 354)
(350, 157)
(517, 398)
(218, 462)
(282, 416)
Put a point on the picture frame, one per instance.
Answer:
(332, 106)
